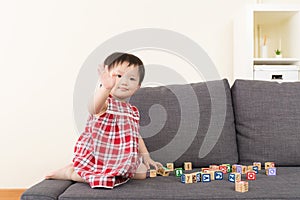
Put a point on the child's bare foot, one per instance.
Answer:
(65, 173)
(60, 173)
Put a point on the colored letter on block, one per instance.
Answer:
(224, 169)
(239, 169)
(234, 176)
(178, 172)
(205, 178)
(219, 175)
(271, 171)
(251, 175)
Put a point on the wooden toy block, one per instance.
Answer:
(219, 175)
(205, 177)
(170, 166)
(152, 173)
(187, 166)
(163, 171)
(251, 175)
(196, 177)
(186, 178)
(233, 169)
(258, 164)
(271, 171)
(212, 174)
(214, 167)
(249, 167)
(237, 168)
(228, 167)
(253, 168)
(205, 169)
(241, 186)
(223, 168)
(269, 164)
(244, 169)
(234, 177)
(178, 171)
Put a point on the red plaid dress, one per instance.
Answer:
(106, 153)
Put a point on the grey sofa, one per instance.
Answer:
(208, 123)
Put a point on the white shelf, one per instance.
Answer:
(275, 61)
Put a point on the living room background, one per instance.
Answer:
(44, 44)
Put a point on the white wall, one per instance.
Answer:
(43, 45)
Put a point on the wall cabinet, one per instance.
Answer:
(261, 29)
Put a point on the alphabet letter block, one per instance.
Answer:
(205, 178)
(152, 173)
(196, 177)
(187, 166)
(251, 175)
(186, 178)
(218, 175)
(170, 166)
(258, 164)
(269, 164)
(234, 177)
(178, 172)
(163, 171)
(241, 186)
(224, 169)
(271, 171)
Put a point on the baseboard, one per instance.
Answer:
(11, 194)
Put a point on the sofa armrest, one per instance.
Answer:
(46, 190)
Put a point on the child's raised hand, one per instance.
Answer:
(108, 79)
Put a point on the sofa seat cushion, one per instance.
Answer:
(283, 186)
(188, 123)
(46, 190)
(267, 117)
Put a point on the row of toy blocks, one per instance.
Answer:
(195, 177)
(235, 176)
(225, 168)
(191, 178)
(243, 169)
(241, 186)
(186, 166)
(215, 174)
(202, 176)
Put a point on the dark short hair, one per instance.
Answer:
(118, 58)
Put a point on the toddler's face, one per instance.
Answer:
(127, 81)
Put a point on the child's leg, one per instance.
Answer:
(65, 173)
(141, 172)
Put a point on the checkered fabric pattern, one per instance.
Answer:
(106, 153)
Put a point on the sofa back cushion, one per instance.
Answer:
(267, 117)
(188, 123)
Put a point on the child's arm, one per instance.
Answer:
(98, 101)
(146, 156)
